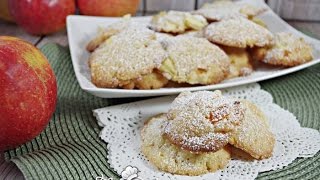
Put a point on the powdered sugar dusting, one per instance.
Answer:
(189, 54)
(201, 121)
(288, 50)
(127, 55)
(238, 32)
(177, 22)
(221, 10)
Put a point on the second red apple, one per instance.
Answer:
(41, 17)
(108, 7)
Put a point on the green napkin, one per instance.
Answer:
(70, 147)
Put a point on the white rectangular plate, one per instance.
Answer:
(81, 29)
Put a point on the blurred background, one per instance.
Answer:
(288, 9)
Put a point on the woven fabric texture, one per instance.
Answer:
(70, 147)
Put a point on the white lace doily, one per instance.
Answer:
(122, 125)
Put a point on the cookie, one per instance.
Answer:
(126, 58)
(240, 33)
(249, 10)
(155, 80)
(111, 30)
(221, 10)
(170, 158)
(198, 34)
(194, 60)
(240, 61)
(253, 135)
(288, 50)
(200, 121)
(177, 22)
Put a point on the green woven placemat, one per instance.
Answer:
(70, 147)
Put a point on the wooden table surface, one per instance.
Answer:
(9, 171)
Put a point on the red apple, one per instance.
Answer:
(108, 7)
(28, 92)
(40, 17)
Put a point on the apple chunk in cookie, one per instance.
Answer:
(194, 60)
(177, 22)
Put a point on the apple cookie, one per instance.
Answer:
(206, 121)
(194, 60)
(128, 58)
(288, 50)
(200, 122)
(253, 135)
(240, 33)
(177, 22)
(240, 61)
(170, 158)
(111, 30)
(220, 10)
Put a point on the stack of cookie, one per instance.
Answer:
(217, 42)
(202, 131)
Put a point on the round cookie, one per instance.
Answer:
(111, 30)
(177, 22)
(240, 33)
(200, 121)
(253, 135)
(240, 61)
(170, 158)
(194, 60)
(220, 10)
(126, 58)
(288, 50)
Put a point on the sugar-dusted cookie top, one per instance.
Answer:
(239, 32)
(194, 60)
(112, 29)
(177, 22)
(220, 10)
(288, 50)
(200, 121)
(126, 57)
(171, 158)
(253, 135)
